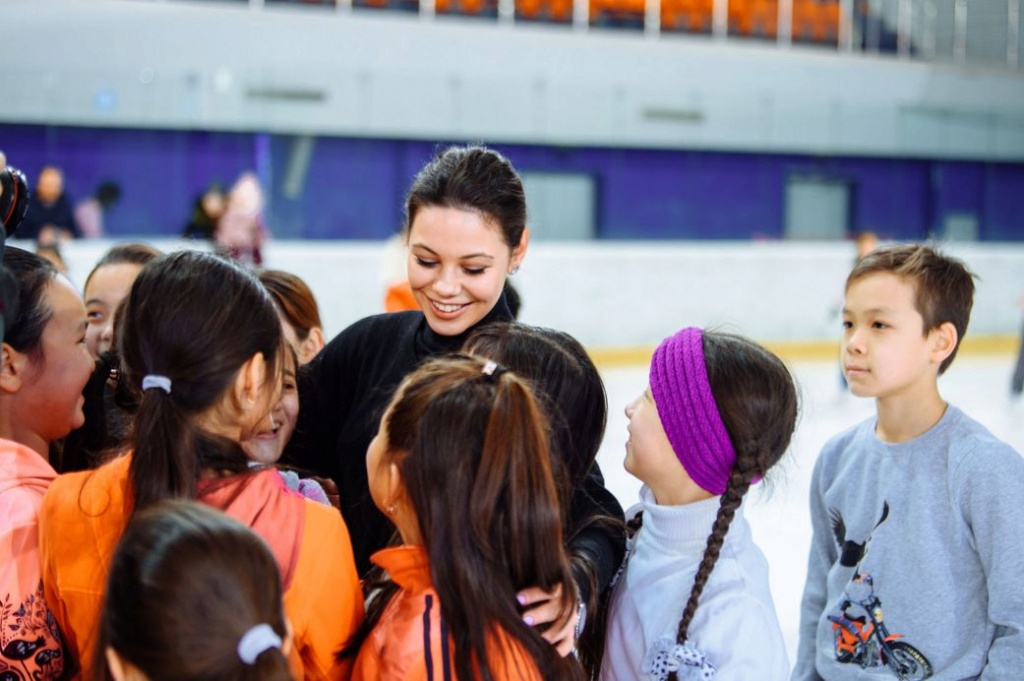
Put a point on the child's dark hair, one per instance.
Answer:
(472, 449)
(757, 401)
(476, 179)
(943, 286)
(186, 583)
(195, 319)
(566, 382)
(125, 254)
(24, 329)
(295, 300)
(570, 387)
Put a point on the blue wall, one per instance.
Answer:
(354, 187)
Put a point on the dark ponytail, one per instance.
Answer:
(194, 319)
(757, 401)
(472, 448)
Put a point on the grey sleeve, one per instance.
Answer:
(822, 556)
(989, 485)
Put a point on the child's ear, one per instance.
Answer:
(396, 490)
(289, 637)
(313, 344)
(249, 380)
(12, 370)
(944, 338)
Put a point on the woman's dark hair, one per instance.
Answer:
(185, 584)
(472, 449)
(757, 401)
(194, 318)
(24, 329)
(474, 179)
(294, 299)
(125, 254)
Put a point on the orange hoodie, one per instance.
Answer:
(30, 644)
(84, 514)
(411, 641)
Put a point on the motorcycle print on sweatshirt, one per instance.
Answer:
(858, 623)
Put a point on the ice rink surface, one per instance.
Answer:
(777, 511)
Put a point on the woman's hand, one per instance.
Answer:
(544, 610)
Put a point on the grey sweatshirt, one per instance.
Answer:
(929, 534)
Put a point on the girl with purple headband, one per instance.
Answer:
(719, 413)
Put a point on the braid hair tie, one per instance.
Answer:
(684, 660)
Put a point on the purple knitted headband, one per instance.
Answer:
(688, 412)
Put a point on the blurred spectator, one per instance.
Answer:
(867, 241)
(206, 212)
(240, 232)
(89, 213)
(49, 218)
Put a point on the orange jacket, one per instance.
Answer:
(84, 514)
(29, 640)
(411, 640)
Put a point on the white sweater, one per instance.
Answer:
(735, 625)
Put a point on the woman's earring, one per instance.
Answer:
(391, 509)
(512, 271)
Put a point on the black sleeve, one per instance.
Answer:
(597, 536)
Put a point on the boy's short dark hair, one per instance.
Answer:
(943, 286)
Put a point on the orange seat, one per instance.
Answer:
(693, 15)
(616, 8)
(458, 6)
(816, 20)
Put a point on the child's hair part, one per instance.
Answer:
(125, 254)
(756, 399)
(565, 380)
(472, 448)
(186, 584)
(294, 299)
(475, 179)
(943, 286)
(24, 330)
(194, 319)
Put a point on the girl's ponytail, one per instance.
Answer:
(190, 322)
(471, 444)
(165, 466)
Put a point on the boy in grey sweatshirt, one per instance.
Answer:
(917, 555)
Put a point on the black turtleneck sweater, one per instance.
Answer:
(343, 393)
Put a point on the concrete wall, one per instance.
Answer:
(633, 295)
(299, 70)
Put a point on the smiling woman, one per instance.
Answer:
(466, 230)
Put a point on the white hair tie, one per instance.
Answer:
(256, 641)
(156, 381)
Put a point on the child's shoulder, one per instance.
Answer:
(975, 451)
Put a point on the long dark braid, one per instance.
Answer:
(738, 486)
(757, 401)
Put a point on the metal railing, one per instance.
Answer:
(981, 32)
